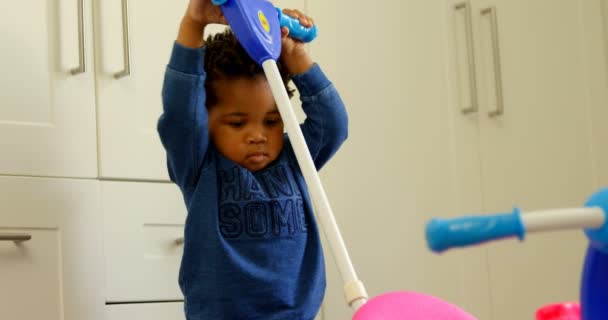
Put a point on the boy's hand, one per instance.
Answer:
(204, 12)
(199, 14)
(293, 53)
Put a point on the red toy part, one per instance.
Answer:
(560, 311)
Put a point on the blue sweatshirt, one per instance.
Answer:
(252, 248)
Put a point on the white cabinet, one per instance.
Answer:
(148, 311)
(57, 273)
(53, 84)
(142, 222)
(57, 93)
(527, 59)
(398, 167)
(47, 93)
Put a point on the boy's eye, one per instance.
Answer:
(236, 124)
(272, 122)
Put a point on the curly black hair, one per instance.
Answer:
(225, 58)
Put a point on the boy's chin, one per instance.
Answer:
(255, 166)
(257, 163)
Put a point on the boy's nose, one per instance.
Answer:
(256, 137)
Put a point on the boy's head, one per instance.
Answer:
(244, 122)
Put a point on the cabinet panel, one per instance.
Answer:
(142, 222)
(129, 107)
(32, 271)
(60, 267)
(148, 311)
(47, 118)
(537, 154)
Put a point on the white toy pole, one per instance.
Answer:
(559, 219)
(353, 288)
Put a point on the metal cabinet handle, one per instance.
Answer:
(497, 64)
(126, 53)
(15, 237)
(471, 56)
(81, 49)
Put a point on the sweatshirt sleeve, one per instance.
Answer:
(326, 124)
(183, 127)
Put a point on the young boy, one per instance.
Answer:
(252, 248)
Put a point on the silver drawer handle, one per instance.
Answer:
(126, 52)
(179, 241)
(491, 11)
(470, 56)
(81, 50)
(15, 237)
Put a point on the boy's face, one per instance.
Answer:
(245, 124)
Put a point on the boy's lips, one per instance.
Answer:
(257, 156)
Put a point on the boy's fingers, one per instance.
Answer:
(290, 13)
(284, 32)
(302, 18)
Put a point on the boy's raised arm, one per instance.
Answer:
(183, 125)
(326, 124)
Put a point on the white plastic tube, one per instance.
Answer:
(353, 288)
(559, 219)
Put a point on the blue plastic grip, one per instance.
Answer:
(296, 30)
(599, 237)
(443, 234)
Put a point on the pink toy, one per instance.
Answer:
(403, 305)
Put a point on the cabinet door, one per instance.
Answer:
(58, 273)
(536, 155)
(47, 117)
(129, 106)
(398, 168)
(142, 222)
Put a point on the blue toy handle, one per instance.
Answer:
(296, 30)
(442, 234)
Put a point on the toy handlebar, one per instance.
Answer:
(443, 234)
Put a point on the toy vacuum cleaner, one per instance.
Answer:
(257, 25)
(443, 234)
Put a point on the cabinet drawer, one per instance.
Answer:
(55, 272)
(30, 271)
(142, 222)
(148, 311)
